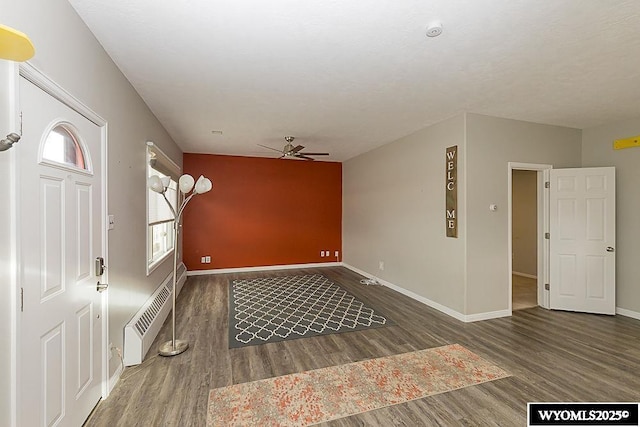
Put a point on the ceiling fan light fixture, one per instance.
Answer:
(289, 151)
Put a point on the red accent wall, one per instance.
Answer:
(262, 212)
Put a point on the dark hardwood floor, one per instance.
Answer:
(551, 355)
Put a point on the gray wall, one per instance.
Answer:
(69, 54)
(491, 143)
(597, 150)
(524, 222)
(7, 303)
(393, 204)
(393, 211)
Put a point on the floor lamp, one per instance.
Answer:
(186, 185)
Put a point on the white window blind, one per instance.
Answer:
(161, 163)
(159, 211)
(160, 219)
(163, 166)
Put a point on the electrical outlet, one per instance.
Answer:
(381, 265)
(337, 254)
(207, 259)
(322, 254)
(203, 260)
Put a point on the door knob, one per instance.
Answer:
(101, 287)
(610, 249)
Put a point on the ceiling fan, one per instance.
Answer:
(289, 151)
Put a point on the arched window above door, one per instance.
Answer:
(62, 146)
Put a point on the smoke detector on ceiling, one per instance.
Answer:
(434, 29)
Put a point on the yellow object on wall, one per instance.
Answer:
(14, 45)
(619, 144)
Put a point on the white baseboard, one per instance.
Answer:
(530, 276)
(487, 315)
(262, 268)
(444, 309)
(115, 377)
(627, 313)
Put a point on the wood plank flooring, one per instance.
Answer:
(552, 356)
(524, 292)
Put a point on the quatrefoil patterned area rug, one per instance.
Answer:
(270, 309)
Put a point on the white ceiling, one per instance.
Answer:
(348, 76)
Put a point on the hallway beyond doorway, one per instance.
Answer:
(524, 292)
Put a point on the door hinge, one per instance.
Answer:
(21, 299)
(547, 236)
(547, 184)
(546, 286)
(20, 123)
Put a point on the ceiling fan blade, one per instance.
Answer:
(315, 154)
(279, 151)
(300, 156)
(296, 149)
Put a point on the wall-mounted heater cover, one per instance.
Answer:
(143, 328)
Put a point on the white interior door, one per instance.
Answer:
(60, 205)
(582, 246)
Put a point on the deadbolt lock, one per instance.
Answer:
(100, 267)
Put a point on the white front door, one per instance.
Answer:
(60, 206)
(582, 245)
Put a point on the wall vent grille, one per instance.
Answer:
(142, 325)
(143, 328)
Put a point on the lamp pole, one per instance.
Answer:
(174, 347)
(186, 185)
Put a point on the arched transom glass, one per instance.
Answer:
(62, 146)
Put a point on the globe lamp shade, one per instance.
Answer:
(203, 185)
(155, 183)
(185, 183)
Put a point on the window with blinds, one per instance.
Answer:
(160, 218)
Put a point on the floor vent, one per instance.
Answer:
(143, 328)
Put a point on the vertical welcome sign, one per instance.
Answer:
(451, 191)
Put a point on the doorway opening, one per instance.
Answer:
(524, 254)
(528, 221)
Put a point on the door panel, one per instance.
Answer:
(53, 362)
(85, 344)
(567, 275)
(582, 226)
(596, 276)
(60, 354)
(595, 219)
(52, 237)
(84, 262)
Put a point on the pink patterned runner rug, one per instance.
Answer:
(339, 391)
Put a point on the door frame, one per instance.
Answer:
(543, 227)
(38, 78)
